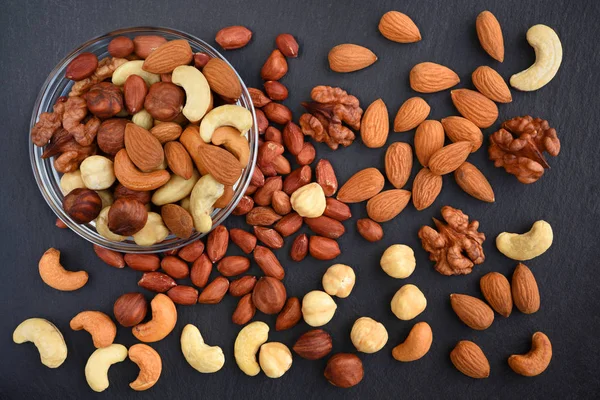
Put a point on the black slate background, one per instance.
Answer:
(35, 35)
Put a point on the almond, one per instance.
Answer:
(429, 138)
(269, 237)
(350, 57)
(110, 257)
(268, 262)
(473, 182)
(233, 37)
(142, 262)
(134, 93)
(449, 158)
(184, 295)
(244, 311)
(242, 286)
(375, 125)
(525, 291)
(489, 33)
(179, 160)
(410, 114)
(259, 99)
(220, 163)
(323, 248)
(398, 163)
(142, 148)
(387, 204)
(264, 195)
(491, 85)
(275, 67)
(398, 27)
(426, 188)
(472, 311)
(459, 129)
(233, 265)
(314, 344)
(290, 315)
(244, 240)
(222, 79)
(156, 282)
(496, 290)
(168, 56)
(262, 216)
(191, 252)
(178, 220)
(325, 176)
(166, 131)
(281, 203)
(200, 271)
(293, 138)
(145, 44)
(361, 186)
(214, 292)
(369, 229)
(475, 107)
(217, 243)
(326, 226)
(299, 248)
(469, 359)
(289, 224)
(428, 77)
(336, 209)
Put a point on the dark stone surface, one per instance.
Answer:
(35, 35)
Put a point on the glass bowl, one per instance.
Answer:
(48, 179)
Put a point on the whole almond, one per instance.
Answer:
(361, 186)
(289, 224)
(145, 44)
(299, 248)
(398, 163)
(375, 125)
(244, 240)
(449, 158)
(426, 188)
(277, 113)
(325, 176)
(489, 33)
(336, 209)
(475, 107)
(472, 181)
(369, 229)
(410, 114)
(244, 206)
(259, 99)
(179, 160)
(460, 129)
(220, 163)
(307, 154)
(350, 57)
(242, 286)
(268, 262)
(326, 226)
(184, 295)
(156, 282)
(314, 344)
(387, 204)
(81, 67)
(191, 252)
(217, 243)
(290, 315)
(166, 131)
(134, 93)
(222, 79)
(287, 44)
(428, 77)
(120, 47)
(323, 248)
(142, 262)
(491, 85)
(233, 265)
(214, 292)
(429, 138)
(168, 56)
(270, 237)
(281, 203)
(264, 195)
(296, 179)
(276, 90)
(244, 311)
(399, 27)
(233, 37)
(469, 359)
(275, 67)
(175, 267)
(144, 150)
(110, 257)
(262, 216)
(200, 271)
(269, 295)
(496, 290)
(472, 311)
(525, 292)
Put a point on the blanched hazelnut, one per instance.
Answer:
(339, 280)
(368, 335)
(309, 200)
(153, 232)
(275, 359)
(70, 181)
(408, 302)
(97, 172)
(318, 308)
(398, 261)
(164, 101)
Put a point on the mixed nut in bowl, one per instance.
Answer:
(143, 139)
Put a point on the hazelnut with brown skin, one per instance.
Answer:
(164, 101)
(130, 309)
(82, 205)
(127, 216)
(344, 370)
(111, 135)
(104, 100)
(269, 295)
(124, 192)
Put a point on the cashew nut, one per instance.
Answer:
(143, 118)
(54, 275)
(339, 280)
(229, 115)
(46, 337)
(233, 141)
(536, 360)
(97, 172)
(150, 365)
(416, 345)
(197, 91)
(205, 193)
(528, 245)
(96, 369)
(133, 68)
(548, 56)
(97, 324)
(153, 232)
(309, 200)
(164, 317)
(202, 357)
(102, 227)
(275, 359)
(132, 178)
(176, 189)
(185, 203)
(70, 181)
(247, 343)
(408, 302)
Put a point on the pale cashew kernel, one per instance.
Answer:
(536, 360)
(205, 193)
(368, 335)
(153, 232)
(107, 197)
(416, 345)
(408, 302)
(175, 189)
(233, 141)
(528, 245)
(164, 318)
(202, 357)
(318, 308)
(548, 56)
(309, 200)
(247, 343)
(275, 359)
(102, 227)
(133, 68)
(97, 324)
(70, 181)
(339, 280)
(150, 365)
(185, 204)
(96, 369)
(225, 115)
(46, 337)
(143, 118)
(197, 91)
(398, 261)
(97, 172)
(54, 275)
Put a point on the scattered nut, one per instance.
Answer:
(536, 360)
(98, 324)
(368, 335)
(408, 302)
(344, 370)
(54, 275)
(275, 359)
(150, 365)
(339, 280)
(318, 308)
(130, 309)
(416, 345)
(164, 317)
(202, 357)
(528, 245)
(96, 369)
(46, 337)
(398, 261)
(469, 359)
(247, 343)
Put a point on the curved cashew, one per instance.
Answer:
(416, 345)
(233, 141)
(202, 357)
(205, 193)
(96, 369)
(536, 360)
(46, 337)
(197, 91)
(97, 324)
(228, 114)
(150, 365)
(132, 178)
(164, 317)
(548, 56)
(133, 68)
(275, 359)
(54, 275)
(176, 189)
(247, 343)
(528, 245)
(102, 227)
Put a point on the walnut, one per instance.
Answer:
(75, 112)
(519, 146)
(47, 125)
(69, 153)
(329, 108)
(105, 69)
(455, 246)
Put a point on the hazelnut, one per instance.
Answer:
(104, 100)
(111, 135)
(339, 280)
(164, 101)
(130, 309)
(368, 335)
(269, 295)
(97, 172)
(127, 216)
(318, 308)
(122, 192)
(82, 205)
(314, 344)
(344, 370)
(309, 200)
(408, 302)
(275, 359)
(398, 261)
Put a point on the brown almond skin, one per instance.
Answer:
(217, 243)
(200, 271)
(233, 265)
(473, 182)
(120, 47)
(244, 311)
(289, 224)
(361, 186)
(337, 210)
(270, 237)
(192, 251)
(110, 257)
(242, 286)
(398, 163)
(449, 158)
(130, 309)
(280, 202)
(275, 67)
(81, 67)
(269, 295)
(296, 179)
(276, 90)
(142, 262)
(233, 37)
(134, 93)
(262, 216)
(293, 138)
(323, 248)
(344, 370)
(214, 292)
(249, 192)
(268, 262)
(429, 138)
(325, 176)
(426, 188)
(326, 226)
(314, 344)
(525, 292)
(244, 206)
(369, 229)
(496, 290)
(299, 248)
(472, 311)
(175, 267)
(290, 315)
(156, 282)
(264, 195)
(123, 192)
(469, 359)
(184, 295)
(177, 220)
(287, 44)
(244, 240)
